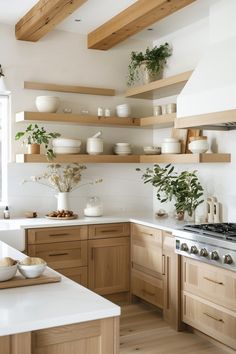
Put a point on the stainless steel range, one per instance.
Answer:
(211, 243)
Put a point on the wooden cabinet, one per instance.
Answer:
(209, 300)
(63, 248)
(109, 230)
(109, 265)
(155, 270)
(93, 337)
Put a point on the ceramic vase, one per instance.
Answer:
(62, 201)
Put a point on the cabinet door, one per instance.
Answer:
(171, 310)
(78, 274)
(60, 255)
(146, 250)
(210, 282)
(109, 264)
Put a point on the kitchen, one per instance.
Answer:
(62, 57)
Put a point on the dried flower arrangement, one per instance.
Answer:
(62, 179)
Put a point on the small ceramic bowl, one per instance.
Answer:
(8, 272)
(32, 271)
(49, 104)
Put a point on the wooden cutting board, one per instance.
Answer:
(47, 277)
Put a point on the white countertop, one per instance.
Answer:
(42, 306)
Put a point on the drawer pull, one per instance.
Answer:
(146, 233)
(104, 231)
(58, 254)
(214, 318)
(214, 281)
(148, 293)
(163, 264)
(55, 235)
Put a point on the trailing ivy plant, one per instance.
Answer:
(38, 135)
(155, 60)
(183, 187)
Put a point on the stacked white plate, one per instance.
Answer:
(66, 146)
(122, 149)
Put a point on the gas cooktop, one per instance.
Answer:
(226, 231)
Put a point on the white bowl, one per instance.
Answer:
(49, 104)
(32, 271)
(170, 148)
(199, 144)
(66, 142)
(123, 110)
(7, 273)
(197, 150)
(66, 150)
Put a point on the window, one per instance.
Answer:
(4, 143)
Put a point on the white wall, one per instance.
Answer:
(63, 58)
(189, 45)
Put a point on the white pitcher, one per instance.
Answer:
(62, 201)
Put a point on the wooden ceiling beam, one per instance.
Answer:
(43, 17)
(132, 20)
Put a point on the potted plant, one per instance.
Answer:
(34, 136)
(150, 63)
(184, 187)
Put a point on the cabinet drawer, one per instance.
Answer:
(210, 282)
(109, 230)
(57, 234)
(147, 287)
(61, 254)
(210, 319)
(79, 275)
(145, 231)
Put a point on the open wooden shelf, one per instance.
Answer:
(163, 121)
(76, 119)
(69, 88)
(160, 88)
(167, 158)
(24, 158)
(186, 158)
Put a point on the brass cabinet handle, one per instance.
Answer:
(109, 231)
(55, 235)
(214, 281)
(163, 264)
(214, 318)
(146, 233)
(58, 254)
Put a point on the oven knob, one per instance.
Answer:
(184, 247)
(203, 252)
(214, 256)
(228, 259)
(194, 250)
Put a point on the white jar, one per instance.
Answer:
(94, 207)
(171, 146)
(94, 146)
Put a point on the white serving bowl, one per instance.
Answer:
(49, 104)
(200, 145)
(66, 142)
(123, 110)
(32, 271)
(8, 272)
(66, 150)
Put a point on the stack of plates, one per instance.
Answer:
(66, 146)
(122, 149)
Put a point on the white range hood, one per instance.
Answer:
(209, 97)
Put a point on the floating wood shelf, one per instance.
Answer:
(69, 88)
(163, 121)
(167, 158)
(24, 158)
(186, 158)
(76, 119)
(160, 88)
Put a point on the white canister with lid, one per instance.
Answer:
(171, 146)
(94, 146)
(94, 207)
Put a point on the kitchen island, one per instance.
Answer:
(56, 318)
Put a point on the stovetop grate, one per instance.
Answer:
(225, 231)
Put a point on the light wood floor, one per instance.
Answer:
(143, 331)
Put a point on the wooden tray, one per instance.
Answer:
(47, 277)
(75, 216)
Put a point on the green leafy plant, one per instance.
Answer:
(184, 187)
(38, 135)
(155, 60)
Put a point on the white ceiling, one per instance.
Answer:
(94, 13)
